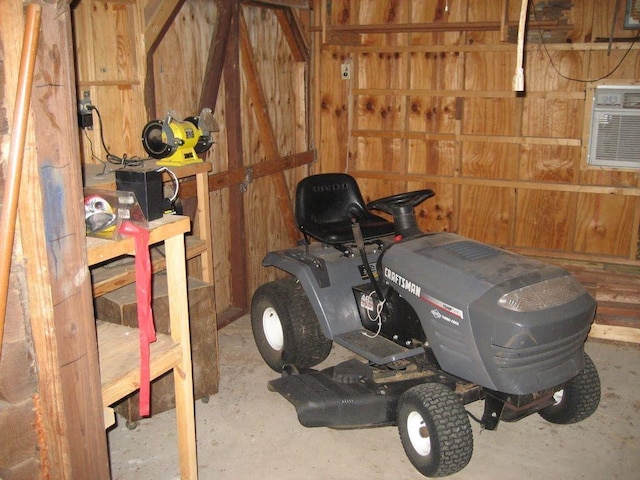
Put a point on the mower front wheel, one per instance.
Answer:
(435, 430)
(578, 400)
(285, 327)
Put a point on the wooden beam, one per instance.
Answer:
(157, 21)
(238, 176)
(504, 19)
(266, 128)
(293, 34)
(233, 118)
(53, 233)
(615, 333)
(486, 182)
(436, 27)
(484, 48)
(215, 61)
(279, 3)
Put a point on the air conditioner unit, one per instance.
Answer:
(615, 127)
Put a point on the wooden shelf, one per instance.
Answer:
(102, 250)
(118, 273)
(119, 348)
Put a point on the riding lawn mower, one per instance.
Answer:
(436, 320)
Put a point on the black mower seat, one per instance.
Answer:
(327, 203)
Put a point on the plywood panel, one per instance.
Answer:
(384, 154)
(222, 244)
(180, 58)
(485, 213)
(602, 225)
(552, 118)
(432, 157)
(381, 70)
(551, 70)
(339, 12)
(260, 240)
(548, 163)
(374, 189)
(105, 40)
(379, 112)
(436, 70)
(436, 214)
(490, 160)
(437, 11)
(581, 17)
(113, 36)
(599, 176)
(622, 63)
(484, 12)
(109, 67)
(490, 116)
(376, 12)
(332, 111)
(122, 138)
(489, 71)
(543, 219)
(278, 74)
(432, 114)
(603, 16)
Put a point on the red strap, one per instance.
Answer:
(145, 314)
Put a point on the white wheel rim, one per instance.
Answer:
(557, 397)
(272, 329)
(418, 434)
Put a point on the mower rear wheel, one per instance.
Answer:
(578, 400)
(434, 430)
(285, 327)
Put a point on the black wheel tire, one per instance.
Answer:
(434, 430)
(285, 327)
(578, 400)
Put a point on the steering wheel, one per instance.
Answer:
(400, 203)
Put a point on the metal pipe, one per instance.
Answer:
(16, 153)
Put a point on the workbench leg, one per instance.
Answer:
(203, 216)
(182, 373)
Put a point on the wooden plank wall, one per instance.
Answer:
(111, 65)
(429, 105)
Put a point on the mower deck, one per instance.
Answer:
(353, 394)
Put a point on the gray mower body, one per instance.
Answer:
(502, 321)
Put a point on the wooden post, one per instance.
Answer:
(72, 439)
(236, 159)
(16, 153)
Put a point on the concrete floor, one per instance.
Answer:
(247, 432)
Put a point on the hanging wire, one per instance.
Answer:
(124, 161)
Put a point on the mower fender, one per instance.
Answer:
(330, 299)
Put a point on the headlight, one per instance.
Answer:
(542, 295)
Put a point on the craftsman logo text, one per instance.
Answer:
(402, 282)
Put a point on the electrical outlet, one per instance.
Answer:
(85, 117)
(346, 71)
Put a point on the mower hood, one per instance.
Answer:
(507, 322)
